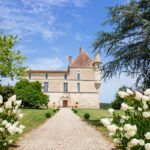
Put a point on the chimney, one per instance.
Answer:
(81, 49)
(70, 60)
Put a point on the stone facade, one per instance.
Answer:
(80, 83)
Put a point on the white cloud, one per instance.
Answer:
(46, 64)
(29, 17)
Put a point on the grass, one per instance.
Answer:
(32, 118)
(95, 116)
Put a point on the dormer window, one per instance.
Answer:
(78, 75)
(65, 76)
(29, 76)
(46, 76)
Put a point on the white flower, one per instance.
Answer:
(141, 142)
(111, 111)
(134, 142)
(147, 146)
(21, 127)
(147, 92)
(121, 129)
(147, 135)
(1, 110)
(127, 135)
(129, 92)
(19, 130)
(122, 94)
(121, 120)
(11, 130)
(111, 134)
(10, 141)
(145, 106)
(4, 122)
(146, 114)
(18, 103)
(20, 116)
(8, 104)
(139, 109)
(105, 122)
(12, 98)
(138, 96)
(116, 140)
(124, 107)
(112, 128)
(132, 133)
(1, 99)
(145, 98)
(8, 125)
(1, 129)
(128, 148)
(129, 144)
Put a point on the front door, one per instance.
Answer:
(65, 103)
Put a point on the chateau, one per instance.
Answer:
(79, 83)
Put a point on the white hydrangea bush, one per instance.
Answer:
(131, 131)
(9, 116)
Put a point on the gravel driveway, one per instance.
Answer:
(64, 131)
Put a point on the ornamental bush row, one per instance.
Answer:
(131, 131)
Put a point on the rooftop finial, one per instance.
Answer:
(81, 49)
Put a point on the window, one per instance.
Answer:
(78, 75)
(45, 86)
(65, 76)
(46, 76)
(29, 76)
(78, 85)
(65, 87)
(98, 66)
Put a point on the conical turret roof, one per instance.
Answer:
(97, 58)
(83, 60)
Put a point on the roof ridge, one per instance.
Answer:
(83, 60)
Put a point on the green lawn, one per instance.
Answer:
(32, 118)
(95, 116)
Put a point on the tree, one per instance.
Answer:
(128, 43)
(10, 59)
(6, 92)
(31, 94)
(116, 104)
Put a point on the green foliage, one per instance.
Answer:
(31, 94)
(105, 105)
(10, 59)
(75, 111)
(87, 116)
(57, 109)
(48, 115)
(128, 43)
(116, 104)
(77, 102)
(6, 92)
(54, 110)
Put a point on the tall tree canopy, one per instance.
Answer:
(128, 43)
(10, 59)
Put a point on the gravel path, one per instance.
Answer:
(64, 131)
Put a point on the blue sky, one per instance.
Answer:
(52, 30)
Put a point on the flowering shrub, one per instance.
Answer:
(9, 115)
(131, 131)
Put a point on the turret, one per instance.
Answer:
(97, 70)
